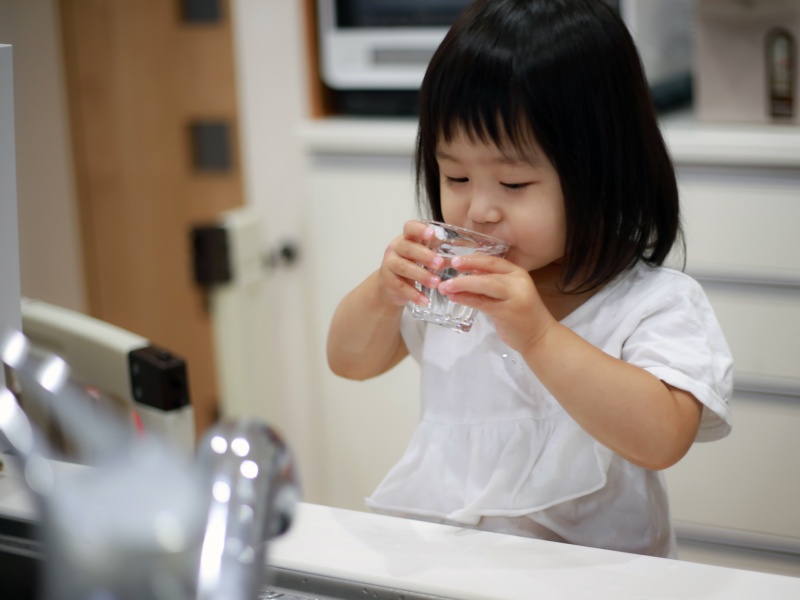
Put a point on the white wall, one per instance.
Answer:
(360, 203)
(346, 435)
(273, 102)
(50, 253)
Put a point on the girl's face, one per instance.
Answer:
(505, 194)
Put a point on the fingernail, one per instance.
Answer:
(456, 262)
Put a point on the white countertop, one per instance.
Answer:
(689, 141)
(474, 565)
(464, 564)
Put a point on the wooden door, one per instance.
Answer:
(145, 79)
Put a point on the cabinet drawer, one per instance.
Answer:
(762, 326)
(746, 485)
(741, 222)
(742, 244)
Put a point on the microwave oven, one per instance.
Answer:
(373, 53)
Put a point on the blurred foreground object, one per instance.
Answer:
(146, 384)
(142, 520)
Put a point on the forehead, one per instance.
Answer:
(522, 150)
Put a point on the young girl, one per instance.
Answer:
(590, 367)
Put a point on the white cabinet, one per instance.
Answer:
(741, 201)
(740, 190)
(359, 203)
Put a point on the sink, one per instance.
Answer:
(288, 584)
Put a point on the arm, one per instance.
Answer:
(364, 337)
(624, 407)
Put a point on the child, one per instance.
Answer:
(590, 367)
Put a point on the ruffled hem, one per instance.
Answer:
(462, 472)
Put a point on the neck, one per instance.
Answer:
(560, 304)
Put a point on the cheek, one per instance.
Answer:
(558, 227)
(540, 234)
(553, 221)
(451, 210)
(557, 233)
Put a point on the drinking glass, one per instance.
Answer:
(448, 242)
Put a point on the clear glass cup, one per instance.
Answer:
(448, 242)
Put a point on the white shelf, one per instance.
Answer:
(342, 135)
(690, 142)
(726, 144)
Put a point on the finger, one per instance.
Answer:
(485, 263)
(412, 271)
(417, 253)
(480, 302)
(413, 245)
(485, 285)
(405, 291)
(418, 231)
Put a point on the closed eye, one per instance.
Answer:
(457, 179)
(516, 186)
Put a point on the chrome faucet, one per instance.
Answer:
(254, 492)
(141, 520)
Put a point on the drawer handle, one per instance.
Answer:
(769, 385)
(736, 538)
(786, 280)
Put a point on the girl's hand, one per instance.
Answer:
(401, 266)
(504, 292)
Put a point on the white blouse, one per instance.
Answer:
(493, 449)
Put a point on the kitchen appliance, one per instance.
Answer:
(373, 53)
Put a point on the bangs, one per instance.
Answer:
(474, 93)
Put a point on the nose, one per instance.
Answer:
(483, 208)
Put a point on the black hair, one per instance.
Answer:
(568, 73)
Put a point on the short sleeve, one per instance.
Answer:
(413, 332)
(680, 341)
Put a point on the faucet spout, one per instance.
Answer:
(253, 492)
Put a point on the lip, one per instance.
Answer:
(490, 234)
(469, 232)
